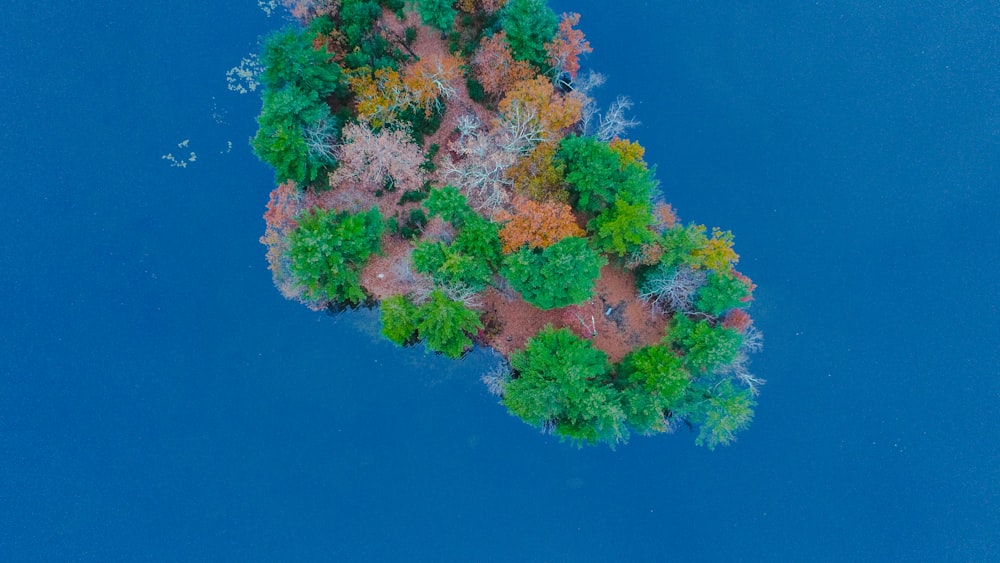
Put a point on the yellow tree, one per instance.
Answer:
(431, 80)
(379, 96)
(538, 175)
(536, 105)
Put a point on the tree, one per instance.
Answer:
(562, 384)
(379, 96)
(450, 267)
(738, 320)
(468, 262)
(717, 252)
(293, 125)
(399, 319)
(671, 289)
(284, 204)
(629, 152)
(327, 250)
(378, 160)
(437, 13)
(445, 325)
(431, 80)
(495, 68)
(705, 346)
(480, 238)
(537, 225)
(657, 371)
(722, 293)
(560, 275)
(721, 410)
(681, 244)
(481, 166)
(538, 175)
(290, 59)
(535, 103)
(654, 383)
(623, 227)
(597, 176)
(565, 49)
(449, 204)
(529, 24)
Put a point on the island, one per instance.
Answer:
(446, 161)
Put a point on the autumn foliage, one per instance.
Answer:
(537, 224)
(567, 46)
(495, 68)
(387, 159)
(444, 158)
(537, 100)
(537, 175)
(431, 80)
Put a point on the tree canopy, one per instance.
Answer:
(563, 385)
(502, 225)
(556, 276)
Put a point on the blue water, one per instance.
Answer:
(160, 400)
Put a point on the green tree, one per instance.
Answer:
(705, 346)
(680, 244)
(289, 59)
(529, 24)
(720, 410)
(655, 380)
(295, 135)
(450, 205)
(480, 238)
(399, 319)
(437, 13)
(556, 276)
(445, 325)
(366, 47)
(598, 177)
(327, 250)
(623, 227)
(448, 266)
(563, 383)
(721, 293)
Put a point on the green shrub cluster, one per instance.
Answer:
(559, 275)
(468, 262)
(563, 384)
(327, 250)
(296, 129)
(445, 325)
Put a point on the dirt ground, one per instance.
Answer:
(613, 319)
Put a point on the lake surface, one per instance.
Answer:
(160, 400)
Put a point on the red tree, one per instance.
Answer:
(370, 159)
(495, 68)
(567, 46)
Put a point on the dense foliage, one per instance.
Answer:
(296, 129)
(445, 325)
(500, 224)
(556, 276)
(564, 384)
(327, 250)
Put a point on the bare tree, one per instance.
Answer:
(497, 378)
(672, 289)
(614, 123)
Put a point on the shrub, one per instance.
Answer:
(560, 275)
(562, 384)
